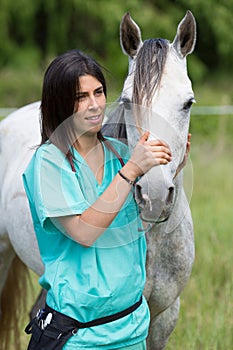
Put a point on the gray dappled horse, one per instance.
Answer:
(157, 95)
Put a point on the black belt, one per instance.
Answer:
(63, 320)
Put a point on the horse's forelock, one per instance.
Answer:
(149, 69)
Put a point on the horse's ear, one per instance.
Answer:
(130, 36)
(185, 39)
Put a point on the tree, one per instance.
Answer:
(33, 32)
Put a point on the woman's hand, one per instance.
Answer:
(146, 154)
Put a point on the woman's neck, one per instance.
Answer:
(85, 144)
(91, 149)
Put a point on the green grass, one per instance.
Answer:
(206, 317)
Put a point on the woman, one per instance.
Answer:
(91, 239)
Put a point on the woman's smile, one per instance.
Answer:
(95, 119)
(90, 105)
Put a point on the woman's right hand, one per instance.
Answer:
(146, 154)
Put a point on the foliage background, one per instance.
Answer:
(34, 32)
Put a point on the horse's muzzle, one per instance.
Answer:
(155, 203)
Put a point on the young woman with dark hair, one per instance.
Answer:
(90, 236)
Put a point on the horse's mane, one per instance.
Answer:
(149, 69)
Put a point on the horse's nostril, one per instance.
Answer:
(170, 196)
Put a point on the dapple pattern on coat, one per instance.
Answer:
(157, 95)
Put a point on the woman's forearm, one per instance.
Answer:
(88, 227)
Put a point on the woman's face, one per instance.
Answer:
(90, 105)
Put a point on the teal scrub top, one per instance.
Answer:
(88, 283)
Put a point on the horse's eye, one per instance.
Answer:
(189, 104)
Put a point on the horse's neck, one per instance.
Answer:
(180, 208)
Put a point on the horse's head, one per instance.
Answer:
(160, 92)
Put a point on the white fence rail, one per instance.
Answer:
(196, 110)
(212, 110)
(6, 111)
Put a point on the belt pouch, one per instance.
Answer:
(51, 338)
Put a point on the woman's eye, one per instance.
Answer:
(80, 98)
(99, 92)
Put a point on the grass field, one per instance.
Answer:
(206, 316)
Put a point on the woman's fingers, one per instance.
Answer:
(162, 161)
(160, 150)
(148, 153)
(156, 142)
(144, 137)
(155, 152)
(188, 143)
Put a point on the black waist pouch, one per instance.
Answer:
(55, 334)
(53, 337)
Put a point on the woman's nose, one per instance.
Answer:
(92, 102)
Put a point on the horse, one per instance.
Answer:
(157, 94)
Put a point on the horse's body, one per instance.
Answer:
(159, 193)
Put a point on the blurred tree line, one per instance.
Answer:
(34, 32)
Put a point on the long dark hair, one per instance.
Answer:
(61, 81)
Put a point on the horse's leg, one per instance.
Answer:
(162, 325)
(22, 238)
(13, 299)
(169, 264)
(163, 321)
(13, 289)
(6, 257)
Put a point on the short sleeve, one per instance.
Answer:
(52, 187)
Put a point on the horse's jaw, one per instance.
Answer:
(155, 194)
